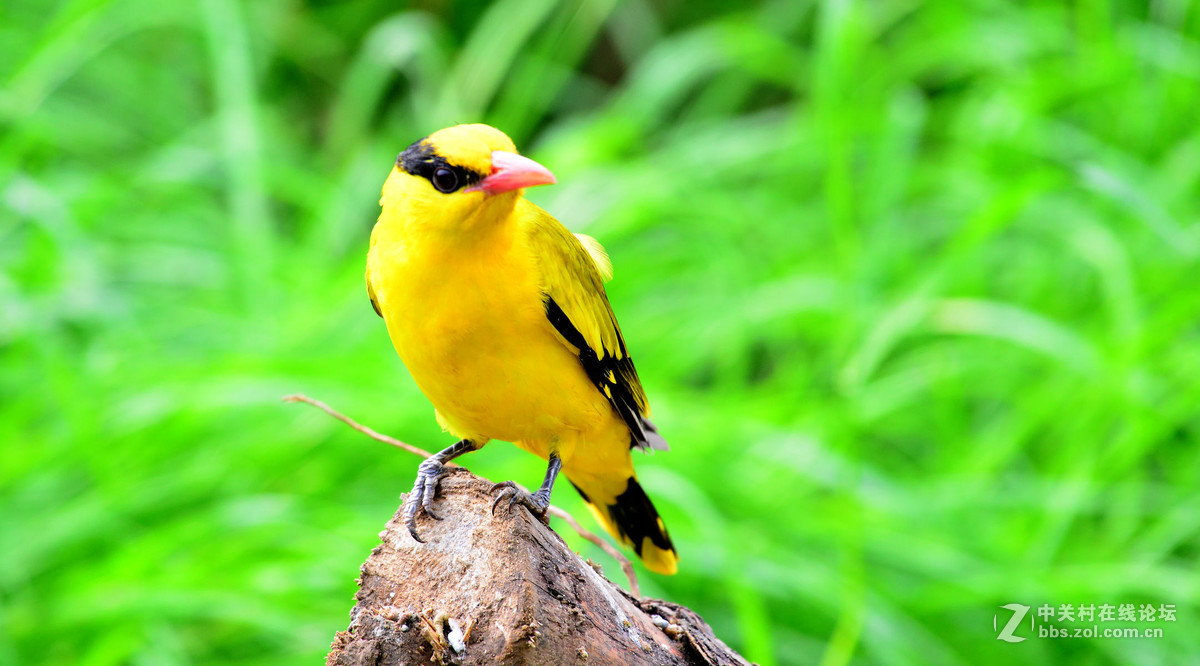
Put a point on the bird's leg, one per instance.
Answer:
(429, 473)
(539, 501)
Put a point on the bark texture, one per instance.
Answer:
(505, 589)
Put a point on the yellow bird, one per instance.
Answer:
(500, 315)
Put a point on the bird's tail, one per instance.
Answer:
(633, 520)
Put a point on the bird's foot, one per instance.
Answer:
(538, 503)
(429, 473)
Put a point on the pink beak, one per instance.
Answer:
(512, 172)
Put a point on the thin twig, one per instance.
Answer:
(626, 566)
(613, 552)
(299, 397)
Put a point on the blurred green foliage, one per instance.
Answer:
(914, 289)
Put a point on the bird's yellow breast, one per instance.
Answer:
(468, 320)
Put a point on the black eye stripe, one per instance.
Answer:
(420, 160)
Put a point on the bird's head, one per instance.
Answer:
(460, 177)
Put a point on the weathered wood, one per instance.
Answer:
(505, 589)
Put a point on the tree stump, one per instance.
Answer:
(504, 589)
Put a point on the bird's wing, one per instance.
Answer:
(371, 295)
(371, 290)
(572, 272)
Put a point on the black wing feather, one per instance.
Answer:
(609, 374)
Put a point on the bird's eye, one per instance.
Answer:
(445, 180)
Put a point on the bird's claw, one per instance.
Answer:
(538, 503)
(421, 498)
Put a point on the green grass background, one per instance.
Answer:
(914, 289)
